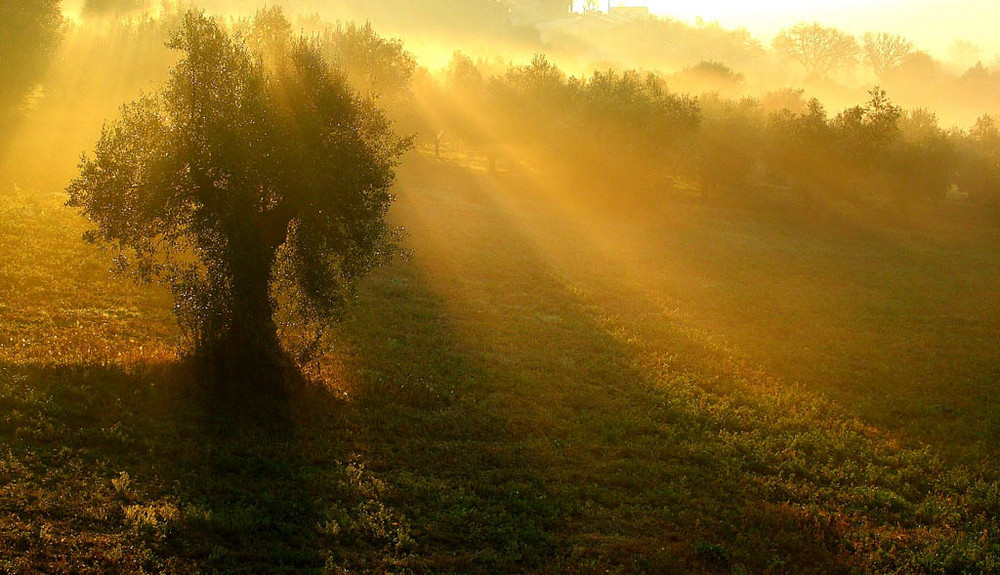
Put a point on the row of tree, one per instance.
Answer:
(822, 50)
(613, 124)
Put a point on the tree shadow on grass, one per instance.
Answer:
(635, 459)
(148, 467)
(110, 469)
(442, 486)
(516, 433)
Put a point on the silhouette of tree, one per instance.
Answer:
(467, 101)
(819, 49)
(633, 110)
(867, 132)
(269, 34)
(237, 181)
(926, 163)
(729, 143)
(798, 150)
(374, 65)
(979, 170)
(885, 51)
(710, 76)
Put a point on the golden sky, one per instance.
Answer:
(932, 24)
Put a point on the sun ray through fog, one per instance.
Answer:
(499, 286)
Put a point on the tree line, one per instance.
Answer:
(630, 122)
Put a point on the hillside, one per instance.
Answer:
(554, 382)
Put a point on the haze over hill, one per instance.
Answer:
(492, 287)
(933, 24)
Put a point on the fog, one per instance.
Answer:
(598, 72)
(494, 287)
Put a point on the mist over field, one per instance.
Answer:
(496, 286)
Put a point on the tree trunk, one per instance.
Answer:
(250, 350)
(253, 324)
(249, 355)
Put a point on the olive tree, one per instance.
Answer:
(241, 177)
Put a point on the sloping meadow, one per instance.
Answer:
(527, 393)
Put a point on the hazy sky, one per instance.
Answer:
(932, 24)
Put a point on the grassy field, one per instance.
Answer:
(554, 382)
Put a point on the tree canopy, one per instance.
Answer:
(373, 65)
(242, 181)
(885, 51)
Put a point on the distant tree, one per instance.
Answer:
(534, 97)
(30, 32)
(236, 182)
(819, 49)
(463, 77)
(917, 72)
(798, 150)
(919, 124)
(466, 107)
(889, 155)
(635, 110)
(979, 169)
(729, 143)
(377, 66)
(883, 51)
(790, 99)
(866, 133)
(964, 53)
(882, 118)
(710, 76)
(977, 73)
(268, 34)
(927, 159)
(539, 79)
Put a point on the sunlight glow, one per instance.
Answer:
(933, 24)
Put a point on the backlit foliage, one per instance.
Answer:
(236, 176)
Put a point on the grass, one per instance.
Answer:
(550, 384)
